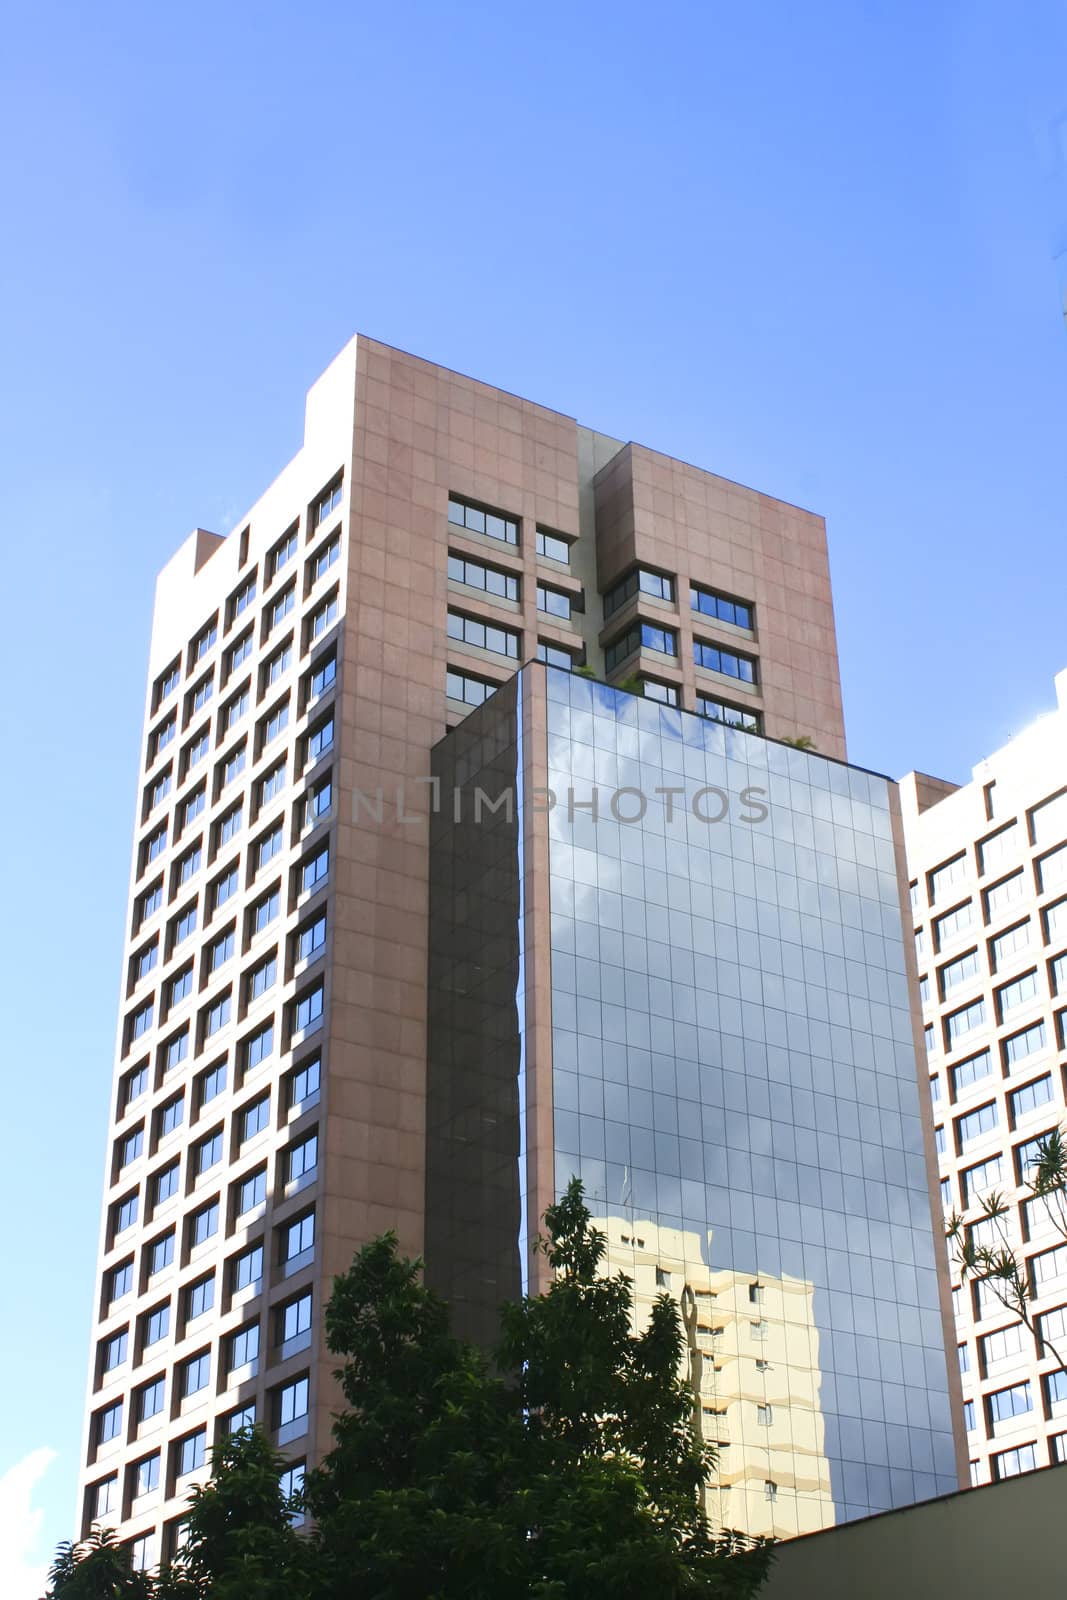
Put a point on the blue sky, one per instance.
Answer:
(810, 248)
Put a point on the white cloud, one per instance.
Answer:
(22, 1574)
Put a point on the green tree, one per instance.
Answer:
(100, 1568)
(570, 1469)
(984, 1250)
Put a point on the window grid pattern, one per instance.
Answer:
(181, 1093)
(1007, 1092)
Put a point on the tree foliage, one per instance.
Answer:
(567, 1469)
(991, 1256)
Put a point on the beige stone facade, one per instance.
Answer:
(988, 865)
(269, 1090)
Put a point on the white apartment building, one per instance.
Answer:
(988, 869)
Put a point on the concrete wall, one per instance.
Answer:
(992, 1543)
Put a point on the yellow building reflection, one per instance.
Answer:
(753, 1362)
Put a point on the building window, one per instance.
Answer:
(134, 1085)
(199, 1298)
(1010, 995)
(161, 1254)
(195, 1374)
(976, 1124)
(968, 1415)
(120, 1282)
(328, 503)
(165, 1183)
(157, 1326)
(259, 1047)
(292, 1402)
(733, 716)
(146, 1476)
(201, 694)
(553, 602)
(180, 986)
(272, 784)
(1031, 1097)
(319, 802)
(233, 766)
(151, 1399)
(204, 1224)
(472, 691)
(304, 1084)
(239, 652)
(210, 1084)
(163, 735)
(283, 552)
(1004, 1404)
(1010, 943)
(278, 666)
(159, 789)
(946, 877)
(252, 1192)
(221, 949)
(315, 870)
(642, 636)
(217, 1016)
(1002, 1346)
(234, 710)
(109, 1423)
(730, 662)
(294, 1319)
(205, 640)
(265, 910)
(640, 581)
(311, 940)
(552, 546)
(307, 1010)
(113, 1351)
(262, 978)
(185, 925)
(198, 749)
(125, 1214)
(477, 519)
(255, 1118)
(958, 971)
(248, 1268)
(298, 1238)
(243, 1347)
(166, 684)
(189, 864)
(303, 1159)
(275, 724)
(665, 694)
(141, 1021)
(176, 1051)
(959, 1023)
(764, 1416)
(973, 1070)
(476, 575)
(130, 1147)
(208, 1153)
(1049, 820)
(106, 1497)
(281, 608)
(709, 603)
(553, 655)
(322, 618)
(229, 825)
(1049, 1268)
(483, 635)
(320, 740)
(324, 559)
(1005, 894)
(1010, 1463)
(997, 848)
(192, 1451)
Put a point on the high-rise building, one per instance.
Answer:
(270, 1095)
(670, 958)
(988, 867)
